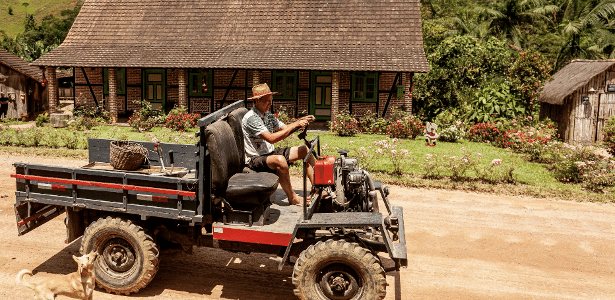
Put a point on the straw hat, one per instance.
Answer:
(261, 90)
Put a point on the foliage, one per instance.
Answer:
(179, 120)
(537, 139)
(483, 132)
(528, 74)
(609, 135)
(39, 38)
(408, 127)
(494, 103)
(42, 118)
(146, 118)
(459, 65)
(582, 165)
(83, 123)
(344, 124)
(384, 148)
(97, 114)
(283, 116)
(452, 134)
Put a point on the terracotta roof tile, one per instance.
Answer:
(379, 35)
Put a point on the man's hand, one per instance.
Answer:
(304, 121)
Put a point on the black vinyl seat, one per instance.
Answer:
(241, 190)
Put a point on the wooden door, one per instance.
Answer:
(605, 110)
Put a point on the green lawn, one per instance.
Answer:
(532, 179)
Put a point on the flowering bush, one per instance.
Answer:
(536, 140)
(178, 119)
(390, 149)
(483, 132)
(460, 166)
(581, 165)
(609, 135)
(99, 114)
(407, 127)
(452, 134)
(528, 74)
(283, 116)
(146, 118)
(344, 124)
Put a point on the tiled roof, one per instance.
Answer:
(16, 63)
(376, 35)
(571, 78)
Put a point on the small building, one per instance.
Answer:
(22, 87)
(320, 56)
(580, 98)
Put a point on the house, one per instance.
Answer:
(22, 87)
(321, 56)
(580, 98)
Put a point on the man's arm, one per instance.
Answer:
(285, 130)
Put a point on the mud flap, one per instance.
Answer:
(31, 215)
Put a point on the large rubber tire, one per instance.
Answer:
(128, 258)
(338, 269)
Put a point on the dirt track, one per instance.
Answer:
(460, 246)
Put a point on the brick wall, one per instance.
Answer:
(222, 78)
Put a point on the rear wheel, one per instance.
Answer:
(338, 269)
(128, 258)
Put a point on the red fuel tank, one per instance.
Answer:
(323, 170)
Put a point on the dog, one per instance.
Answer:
(78, 285)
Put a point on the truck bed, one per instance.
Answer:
(44, 190)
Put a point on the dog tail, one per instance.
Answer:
(20, 280)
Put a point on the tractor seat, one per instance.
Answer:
(241, 190)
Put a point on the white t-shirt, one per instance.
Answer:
(254, 124)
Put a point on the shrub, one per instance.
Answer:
(568, 167)
(83, 123)
(483, 132)
(609, 135)
(146, 118)
(536, 139)
(451, 134)
(366, 121)
(283, 116)
(396, 156)
(42, 118)
(407, 127)
(96, 113)
(344, 124)
(178, 119)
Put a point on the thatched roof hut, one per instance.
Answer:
(580, 98)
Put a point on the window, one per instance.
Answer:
(200, 82)
(120, 86)
(364, 86)
(285, 83)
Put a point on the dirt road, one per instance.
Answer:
(460, 246)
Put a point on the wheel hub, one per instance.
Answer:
(119, 255)
(338, 281)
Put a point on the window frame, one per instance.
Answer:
(199, 74)
(286, 74)
(364, 76)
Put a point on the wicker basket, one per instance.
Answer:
(125, 155)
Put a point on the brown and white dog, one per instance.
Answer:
(78, 285)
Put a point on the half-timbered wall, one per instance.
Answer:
(232, 85)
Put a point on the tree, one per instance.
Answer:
(586, 30)
(510, 20)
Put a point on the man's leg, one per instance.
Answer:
(299, 153)
(280, 166)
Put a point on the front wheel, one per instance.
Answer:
(128, 258)
(338, 269)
